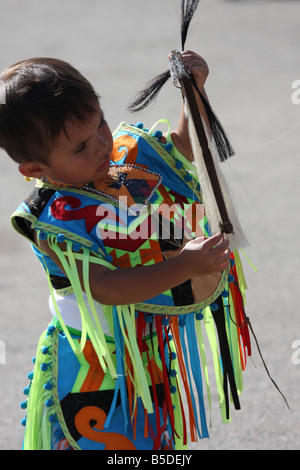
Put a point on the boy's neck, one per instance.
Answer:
(59, 184)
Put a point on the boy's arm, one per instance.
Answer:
(132, 285)
(199, 70)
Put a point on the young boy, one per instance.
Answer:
(118, 225)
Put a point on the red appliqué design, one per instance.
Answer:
(60, 211)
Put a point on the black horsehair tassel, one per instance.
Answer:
(188, 9)
(146, 96)
(228, 373)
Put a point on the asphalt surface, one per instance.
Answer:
(252, 51)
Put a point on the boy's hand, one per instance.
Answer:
(205, 256)
(197, 67)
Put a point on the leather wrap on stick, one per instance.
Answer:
(187, 87)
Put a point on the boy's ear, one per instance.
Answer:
(32, 169)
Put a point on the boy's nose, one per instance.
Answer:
(102, 143)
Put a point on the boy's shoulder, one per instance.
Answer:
(38, 199)
(63, 212)
(28, 212)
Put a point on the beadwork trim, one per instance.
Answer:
(56, 401)
(87, 188)
(184, 309)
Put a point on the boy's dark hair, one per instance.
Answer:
(41, 95)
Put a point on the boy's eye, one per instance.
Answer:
(103, 121)
(81, 148)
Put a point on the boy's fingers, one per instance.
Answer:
(218, 244)
(223, 245)
(223, 258)
(223, 266)
(213, 241)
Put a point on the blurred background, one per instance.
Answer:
(252, 48)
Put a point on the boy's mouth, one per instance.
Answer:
(105, 163)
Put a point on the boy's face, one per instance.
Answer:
(83, 155)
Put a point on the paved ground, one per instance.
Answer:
(251, 47)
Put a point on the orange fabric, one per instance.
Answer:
(125, 145)
(176, 337)
(151, 253)
(120, 261)
(155, 372)
(112, 440)
(95, 375)
(166, 197)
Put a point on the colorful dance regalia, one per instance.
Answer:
(140, 382)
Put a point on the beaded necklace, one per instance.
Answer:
(59, 184)
(129, 185)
